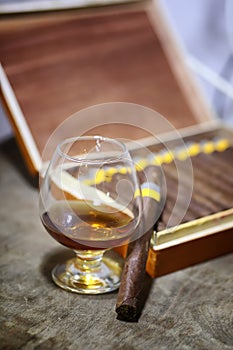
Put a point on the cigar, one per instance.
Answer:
(134, 280)
(211, 190)
(130, 297)
(198, 207)
(173, 172)
(225, 157)
(221, 160)
(218, 171)
(171, 214)
(210, 194)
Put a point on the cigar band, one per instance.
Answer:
(149, 189)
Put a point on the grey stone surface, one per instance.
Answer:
(189, 309)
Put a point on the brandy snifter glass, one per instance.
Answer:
(88, 204)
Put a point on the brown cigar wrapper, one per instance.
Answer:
(135, 281)
(130, 297)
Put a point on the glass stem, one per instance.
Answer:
(88, 260)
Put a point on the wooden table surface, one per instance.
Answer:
(189, 309)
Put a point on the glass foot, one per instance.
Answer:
(103, 278)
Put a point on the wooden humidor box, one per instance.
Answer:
(206, 229)
(56, 63)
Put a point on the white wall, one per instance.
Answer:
(205, 28)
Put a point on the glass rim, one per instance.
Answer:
(91, 138)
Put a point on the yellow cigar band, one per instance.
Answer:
(194, 149)
(208, 147)
(150, 190)
(168, 157)
(222, 145)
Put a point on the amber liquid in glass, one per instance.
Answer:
(80, 225)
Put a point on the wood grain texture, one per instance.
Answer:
(58, 64)
(190, 309)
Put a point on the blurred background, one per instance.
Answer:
(205, 31)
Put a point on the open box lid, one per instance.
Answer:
(54, 64)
